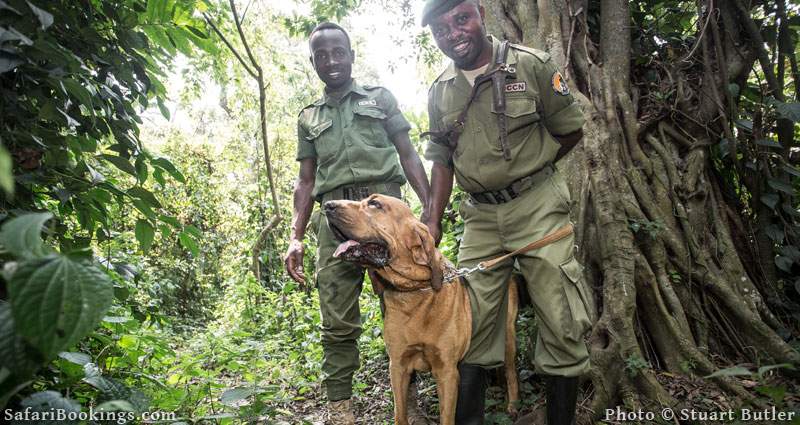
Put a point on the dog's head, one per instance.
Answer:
(382, 233)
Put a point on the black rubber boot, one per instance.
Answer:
(562, 396)
(471, 395)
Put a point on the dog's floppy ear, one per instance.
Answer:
(423, 252)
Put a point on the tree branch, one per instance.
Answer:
(757, 42)
(230, 46)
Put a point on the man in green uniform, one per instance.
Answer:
(500, 147)
(349, 145)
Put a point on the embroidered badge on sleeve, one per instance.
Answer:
(559, 85)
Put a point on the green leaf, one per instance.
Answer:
(76, 89)
(14, 351)
(776, 393)
(5, 6)
(121, 163)
(745, 125)
(791, 170)
(21, 236)
(77, 358)
(145, 234)
(111, 389)
(158, 174)
(9, 62)
(11, 34)
(145, 195)
(189, 243)
(180, 40)
(56, 301)
(6, 171)
(235, 396)
(159, 38)
(167, 166)
(50, 401)
(790, 251)
(775, 233)
(141, 169)
(116, 406)
(764, 369)
(144, 208)
(731, 371)
(790, 111)
(163, 108)
(781, 186)
(784, 263)
(45, 18)
(769, 143)
(194, 231)
(172, 221)
(770, 199)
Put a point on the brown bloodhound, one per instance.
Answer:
(427, 322)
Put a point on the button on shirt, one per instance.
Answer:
(350, 134)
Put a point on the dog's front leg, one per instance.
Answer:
(447, 387)
(400, 378)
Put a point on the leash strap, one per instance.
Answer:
(499, 97)
(553, 237)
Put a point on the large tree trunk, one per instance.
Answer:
(675, 272)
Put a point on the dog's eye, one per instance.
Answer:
(374, 204)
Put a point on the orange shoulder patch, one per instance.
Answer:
(559, 85)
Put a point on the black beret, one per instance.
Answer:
(434, 8)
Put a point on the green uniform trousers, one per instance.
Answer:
(552, 274)
(339, 284)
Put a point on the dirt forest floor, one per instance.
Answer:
(373, 402)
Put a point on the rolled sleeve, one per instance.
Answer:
(438, 154)
(305, 149)
(395, 122)
(562, 114)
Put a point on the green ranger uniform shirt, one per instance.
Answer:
(350, 136)
(538, 106)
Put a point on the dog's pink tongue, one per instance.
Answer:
(344, 246)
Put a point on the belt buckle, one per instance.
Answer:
(362, 192)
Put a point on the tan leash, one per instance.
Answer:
(553, 237)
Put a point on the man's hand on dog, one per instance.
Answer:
(294, 261)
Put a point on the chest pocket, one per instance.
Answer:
(323, 143)
(522, 116)
(368, 125)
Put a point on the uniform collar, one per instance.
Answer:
(452, 72)
(352, 87)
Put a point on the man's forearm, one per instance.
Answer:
(441, 188)
(412, 167)
(415, 174)
(303, 205)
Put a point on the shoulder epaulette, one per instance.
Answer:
(541, 55)
(316, 103)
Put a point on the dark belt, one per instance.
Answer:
(359, 192)
(515, 189)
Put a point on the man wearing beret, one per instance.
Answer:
(501, 116)
(352, 142)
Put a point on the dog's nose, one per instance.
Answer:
(329, 207)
